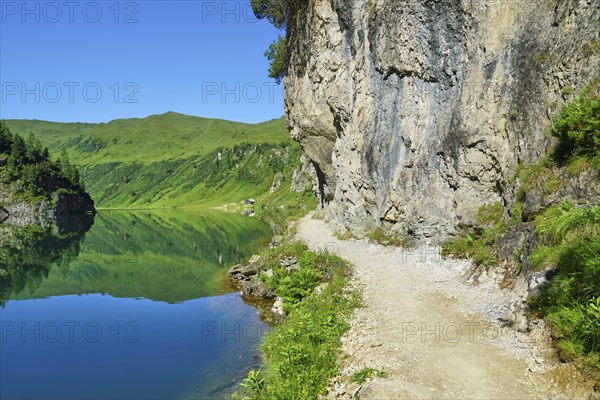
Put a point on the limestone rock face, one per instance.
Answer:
(304, 177)
(415, 113)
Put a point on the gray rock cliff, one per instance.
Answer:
(59, 211)
(415, 113)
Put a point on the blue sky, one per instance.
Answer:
(95, 61)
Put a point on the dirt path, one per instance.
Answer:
(435, 335)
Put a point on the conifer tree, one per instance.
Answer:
(18, 150)
(5, 138)
(34, 148)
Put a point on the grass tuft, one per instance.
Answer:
(577, 128)
(366, 373)
(571, 303)
(345, 235)
(379, 236)
(479, 243)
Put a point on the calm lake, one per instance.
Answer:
(137, 307)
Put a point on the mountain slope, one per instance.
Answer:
(149, 139)
(173, 160)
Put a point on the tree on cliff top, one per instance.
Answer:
(276, 55)
(278, 13)
(275, 11)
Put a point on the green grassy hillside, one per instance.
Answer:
(173, 160)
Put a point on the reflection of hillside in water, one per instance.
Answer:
(169, 256)
(28, 253)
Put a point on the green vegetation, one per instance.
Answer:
(319, 215)
(312, 267)
(345, 235)
(174, 160)
(365, 373)
(29, 173)
(571, 242)
(541, 58)
(277, 12)
(567, 90)
(284, 205)
(539, 177)
(378, 235)
(301, 352)
(578, 129)
(479, 242)
(592, 48)
(276, 54)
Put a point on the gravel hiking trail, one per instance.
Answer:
(435, 334)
